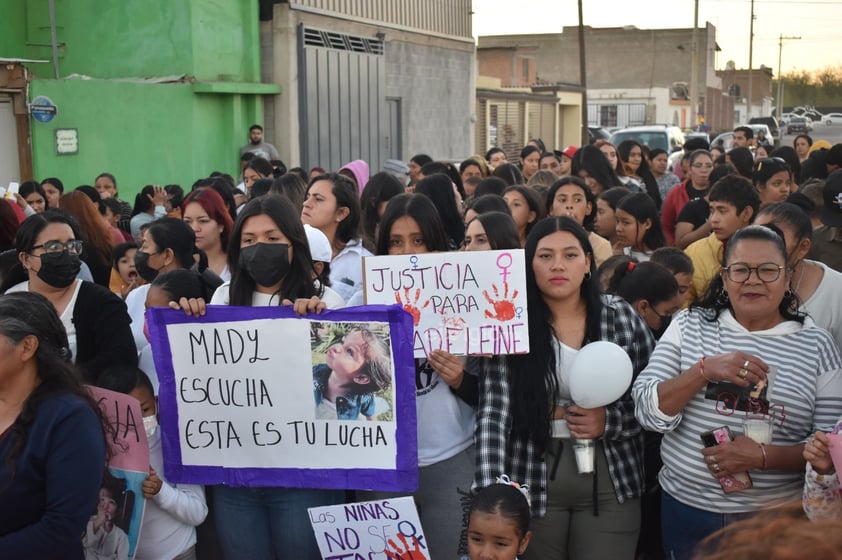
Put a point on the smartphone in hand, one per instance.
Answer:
(736, 482)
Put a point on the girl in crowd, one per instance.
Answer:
(665, 179)
(495, 157)
(570, 196)
(106, 186)
(485, 203)
(441, 191)
(742, 159)
(526, 209)
(498, 525)
(530, 157)
(167, 244)
(744, 341)
(148, 207)
(292, 186)
(411, 225)
(761, 152)
(471, 167)
(34, 195)
(680, 265)
(96, 235)
(636, 166)
(696, 186)
(606, 222)
(522, 396)
(590, 164)
(53, 188)
(96, 321)
(609, 150)
(802, 144)
(270, 265)
(332, 206)
(638, 226)
(357, 172)
(53, 448)
(381, 188)
(773, 180)
(491, 231)
(124, 277)
(205, 213)
(257, 168)
(509, 173)
(173, 511)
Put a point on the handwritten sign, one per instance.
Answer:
(471, 302)
(114, 527)
(258, 396)
(382, 529)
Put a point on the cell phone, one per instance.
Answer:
(736, 482)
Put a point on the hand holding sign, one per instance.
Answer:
(600, 374)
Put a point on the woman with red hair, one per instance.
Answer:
(205, 212)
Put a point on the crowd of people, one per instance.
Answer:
(718, 277)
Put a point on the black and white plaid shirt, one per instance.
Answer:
(500, 451)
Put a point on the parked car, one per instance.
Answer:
(724, 141)
(771, 123)
(832, 118)
(798, 125)
(770, 138)
(703, 135)
(598, 133)
(784, 120)
(665, 137)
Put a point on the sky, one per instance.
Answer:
(817, 22)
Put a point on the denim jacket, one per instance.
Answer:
(349, 406)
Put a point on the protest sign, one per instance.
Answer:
(114, 526)
(378, 530)
(467, 303)
(259, 396)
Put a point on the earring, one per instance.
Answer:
(722, 298)
(587, 276)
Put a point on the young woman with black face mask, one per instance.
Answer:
(95, 319)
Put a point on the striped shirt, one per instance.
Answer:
(804, 394)
(499, 450)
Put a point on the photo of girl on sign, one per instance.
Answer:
(352, 371)
(106, 536)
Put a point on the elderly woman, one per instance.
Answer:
(742, 351)
(52, 447)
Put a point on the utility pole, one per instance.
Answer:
(694, 71)
(750, 52)
(780, 104)
(583, 78)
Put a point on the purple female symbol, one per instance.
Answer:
(504, 265)
(414, 261)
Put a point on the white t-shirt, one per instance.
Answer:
(346, 269)
(66, 317)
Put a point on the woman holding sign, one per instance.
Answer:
(411, 225)
(527, 421)
(270, 264)
(742, 360)
(52, 449)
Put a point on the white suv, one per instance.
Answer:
(665, 137)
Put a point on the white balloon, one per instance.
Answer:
(600, 374)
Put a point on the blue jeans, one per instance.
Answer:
(268, 523)
(684, 527)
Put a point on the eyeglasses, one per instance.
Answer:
(769, 161)
(702, 166)
(74, 247)
(741, 272)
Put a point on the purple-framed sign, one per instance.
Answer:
(259, 396)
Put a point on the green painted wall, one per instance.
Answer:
(142, 133)
(214, 40)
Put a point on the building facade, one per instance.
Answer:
(372, 80)
(160, 91)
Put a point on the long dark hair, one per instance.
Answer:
(649, 182)
(647, 280)
(715, 299)
(500, 229)
(641, 207)
(382, 187)
(24, 314)
(439, 189)
(591, 159)
(532, 376)
(298, 283)
(346, 196)
(420, 209)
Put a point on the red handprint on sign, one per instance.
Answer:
(412, 307)
(398, 553)
(504, 309)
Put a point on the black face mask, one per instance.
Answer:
(59, 270)
(141, 263)
(266, 263)
(665, 322)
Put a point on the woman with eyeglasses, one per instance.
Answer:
(95, 319)
(744, 352)
(695, 186)
(773, 180)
